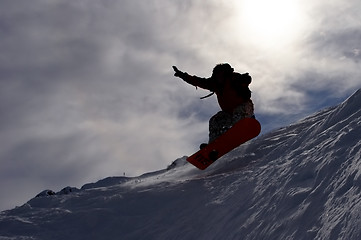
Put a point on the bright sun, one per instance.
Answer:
(274, 22)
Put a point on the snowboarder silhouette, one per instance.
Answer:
(233, 95)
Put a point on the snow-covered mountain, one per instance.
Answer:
(298, 182)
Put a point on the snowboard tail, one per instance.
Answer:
(243, 131)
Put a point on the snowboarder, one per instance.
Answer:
(233, 94)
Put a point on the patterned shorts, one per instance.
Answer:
(222, 121)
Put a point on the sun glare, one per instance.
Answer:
(273, 22)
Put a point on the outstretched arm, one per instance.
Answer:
(205, 83)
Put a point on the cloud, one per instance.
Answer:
(85, 94)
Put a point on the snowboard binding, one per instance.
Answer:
(213, 155)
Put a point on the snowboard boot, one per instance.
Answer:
(203, 145)
(213, 155)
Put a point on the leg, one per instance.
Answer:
(219, 124)
(244, 110)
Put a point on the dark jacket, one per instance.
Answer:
(231, 92)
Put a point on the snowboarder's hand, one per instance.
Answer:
(177, 72)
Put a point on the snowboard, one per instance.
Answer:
(241, 132)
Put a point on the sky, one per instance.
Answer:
(87, 88)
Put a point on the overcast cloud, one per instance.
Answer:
(87, 89)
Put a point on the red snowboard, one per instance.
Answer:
(241, 132)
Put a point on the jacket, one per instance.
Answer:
(230, 93)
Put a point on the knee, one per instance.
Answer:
(219, 116)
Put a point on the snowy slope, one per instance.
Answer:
(299, 182)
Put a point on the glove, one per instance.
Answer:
(179, 73)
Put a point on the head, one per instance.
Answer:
(222, 71)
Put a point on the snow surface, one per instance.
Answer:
(298, 182)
